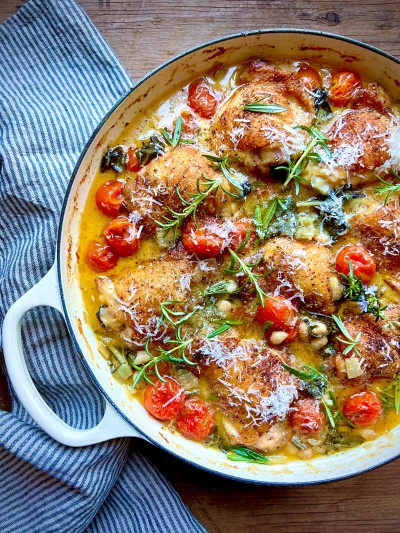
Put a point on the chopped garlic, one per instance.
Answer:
(353, 368)
(278, 337)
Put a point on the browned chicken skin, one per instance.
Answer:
(379, 344)
(263, 139)
(154, 189)
(255, 390)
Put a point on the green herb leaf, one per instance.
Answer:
(223, 164)
(321, 103)
(222, 287)
(239, 453)
(175, 139)
(225, 325)
(150, 149)
(114, 158)
(348, 339)
(390, 395)
(258, 107)
(315, 381)
(277, 217)
(389, 188)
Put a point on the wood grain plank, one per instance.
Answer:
(145, 33)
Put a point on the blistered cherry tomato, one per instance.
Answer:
(196, 420)
(110, 198)
(310, 77)
(202, 99)
(122, 236)
(363, 408)
(101, 257)
(278, 314)
(363, 263)
(344, 85)
(132, 161)
(164, 400)
(306, 417)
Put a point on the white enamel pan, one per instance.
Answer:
(60, 287)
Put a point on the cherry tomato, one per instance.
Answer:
(310, 77)
(306, 417)
(363, 408)
(132, 161)
(282, 314)
(110, 198)
(164, 400)
(100, 257)
(363, 263)
(344, 85)
(196, 420)
(122, 236)
(202, 99)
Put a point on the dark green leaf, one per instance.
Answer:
(150, 149)
(114, 158)
(239, 453)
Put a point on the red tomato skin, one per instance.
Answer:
(196, 420)
(282, 314)
(309, 77)
(205, 239)
(100, 257)
(363, 408)
(132, 163)
(363, 263)
(110, 198)
(306, 417)
(164, 400)
(344, 85)
(202, 99)
(122, 236)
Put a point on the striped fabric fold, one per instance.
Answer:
(58, 78)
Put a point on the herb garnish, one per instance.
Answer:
(277, 217)
(204, 189)
(114, 158)
(223, 164)
(321, 103)
(150, 149)
(167, 314)
(388, 188)
(222, 287)
(314, 381)
(258, 107)
(247, 270)
(295, 168)
(390, 395)
(225, 325)
(348, 339)
(176, 354)
(175, 139)
(337, 415)
(242, 454)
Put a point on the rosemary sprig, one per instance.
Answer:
(337, 414)
(295, 168)
(242, 454)
(222, 287)
(264, 215)
(223, 164)
(348, 339)
(313, 379)
(389, 188)
(258, 107)
(366, 297)
(247, 270)
(225, 325)
(175, 139)
(390, 395)
(168, 315)
(205, 188)
(176, 354)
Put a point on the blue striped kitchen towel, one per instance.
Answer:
(58, 78)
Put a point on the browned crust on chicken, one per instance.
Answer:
(373, 98)
(254, 389)
(154, 189)
(302, 272)
(263, 139)
(379, 344)
(379, 231)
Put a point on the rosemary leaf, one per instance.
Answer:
(240, 453)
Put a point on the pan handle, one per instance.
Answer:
(112, 425)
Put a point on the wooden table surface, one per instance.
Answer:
(144, 34)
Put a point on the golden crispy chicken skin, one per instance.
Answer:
(255, 390)
(131, 300)
(154, 189)
(263, 139)
(302, 272)
(378, 346)
(378, 229)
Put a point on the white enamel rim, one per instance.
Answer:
(60, 287)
